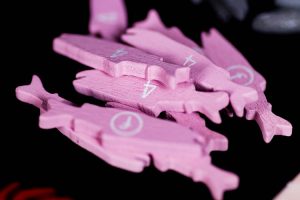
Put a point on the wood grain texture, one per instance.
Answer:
(204, 73)
(117, 59)
(225, 55)
(213, 141)
(177, 149)
(36, 95)
(107, 132)
(151, 97)
(154, 23)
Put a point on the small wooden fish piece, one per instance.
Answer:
(134, 137)
(107, 18)
(140, 136)
(154, 23)
(213, 141)
(117, 59)
(150, 96)
(36, 95)
(204, 73)
(225, 55)
(241, 73)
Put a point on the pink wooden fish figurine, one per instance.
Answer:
(225, 55)
(245, 77)
(139, 136)
(133, 136)
(154, 23)
(149, 96)
(291, 191)
(204, 73)
(117, 59)
(36, 95)
(213, 141)
(107, 18)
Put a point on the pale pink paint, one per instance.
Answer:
(153, 22)
(90, 126)
(225, 55)
(117, 59)
(36, 95)
(129, 90)
(107, 18)
(291, 191)
(213, 141)
(204, 73)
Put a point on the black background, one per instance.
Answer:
(38, 157)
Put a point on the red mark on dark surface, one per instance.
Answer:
(14, 192)
(7, 190)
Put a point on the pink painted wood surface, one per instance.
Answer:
(204, 73)
(123, 130)
(131, 136)
(225, 55)
(242, 73)
(213, 141)
(176, 149)
(113, 104)
(245, 74)
(36, 95)
(291, 191)
(107, 18)
(153, 22)
(117, 59)
(151, 97)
